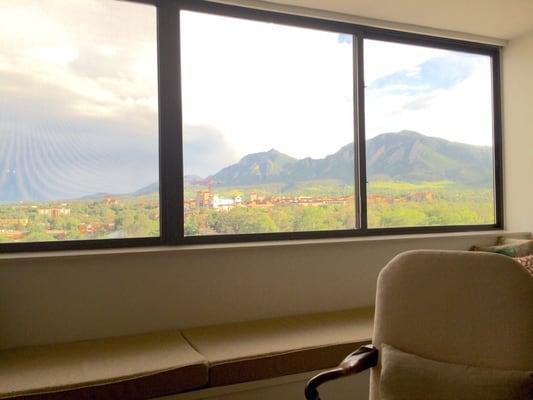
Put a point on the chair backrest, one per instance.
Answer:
(455, 306)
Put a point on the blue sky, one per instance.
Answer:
(435, 92)
(441, 72)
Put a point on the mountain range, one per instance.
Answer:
(404, 156)
(49, 173)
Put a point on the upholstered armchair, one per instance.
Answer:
(448, 325)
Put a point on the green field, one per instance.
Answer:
(390, 204)
(121, 217)
(450, 205)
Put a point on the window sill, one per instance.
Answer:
(250, 245)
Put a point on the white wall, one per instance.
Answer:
(518, 132)
(56, 298)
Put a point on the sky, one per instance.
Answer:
(252, 86)
(256, 86)
(78, 98)
(435, 92)
(78, 94)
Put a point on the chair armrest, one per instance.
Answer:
(364, 357)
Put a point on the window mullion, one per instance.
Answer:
(360, 141)
(497, 138)
(171, 163)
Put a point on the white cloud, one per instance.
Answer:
(65, 44)
(78, 98)
(205, 151)
(385, 58)
(462, 112)
(267, 86)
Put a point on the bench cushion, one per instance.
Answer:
(133, 367)
(248, 351)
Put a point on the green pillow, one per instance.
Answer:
(510, 248)
(406, 376)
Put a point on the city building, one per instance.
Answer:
(54, 212)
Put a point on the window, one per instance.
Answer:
(127, 124)
(78, 121)
(429, 131)
(268, 123)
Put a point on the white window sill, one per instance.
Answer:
(275, 244)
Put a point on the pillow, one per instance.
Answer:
(526, 262)
(406, 376)
(509, 247)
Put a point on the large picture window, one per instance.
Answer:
(169, 122)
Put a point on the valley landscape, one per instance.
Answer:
(413, 180)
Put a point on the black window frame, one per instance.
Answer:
(171, 144)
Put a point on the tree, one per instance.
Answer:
(311, 218)
(38, 236)
(241, 220)
(283, 217)
(191, 226)
(403, 215)
(126, 220)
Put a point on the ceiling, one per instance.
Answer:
(502, 19)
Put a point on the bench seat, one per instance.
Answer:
(248, 351)
(133, 367)
(159, 364)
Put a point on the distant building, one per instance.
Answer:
(423, 196)
(203, 199)
(220, 203)
(14, 221)
(189, 205)
(378, 199)
(110, 201)
(54, 212)
(96, 227)
(13, 235)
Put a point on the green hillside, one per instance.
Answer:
(403, 156)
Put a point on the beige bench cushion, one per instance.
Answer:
(140, 366)
(255, 350)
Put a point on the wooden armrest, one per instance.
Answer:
(363, 358)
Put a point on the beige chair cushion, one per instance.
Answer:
(457, 307)
(137, 367)
(405, 376)
(255, 350)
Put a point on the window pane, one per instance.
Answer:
(78, 120)
(268, 127)
(429, 136)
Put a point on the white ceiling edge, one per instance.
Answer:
(372, 22)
